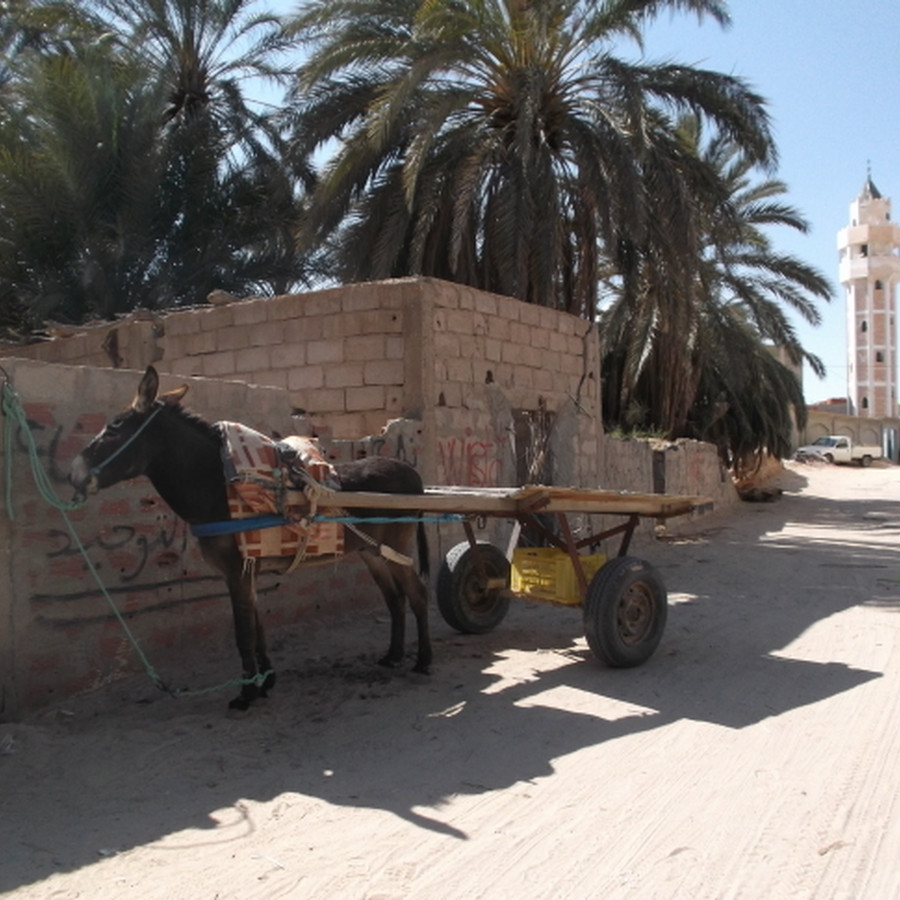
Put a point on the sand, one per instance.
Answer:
(754, 756)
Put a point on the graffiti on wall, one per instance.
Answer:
(136, 545)
(471, 461)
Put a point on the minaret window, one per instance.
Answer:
(863, 250)
(878, 286)
(879, 356)
(865, 402)
(864, 326)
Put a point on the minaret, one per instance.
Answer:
(869, 273)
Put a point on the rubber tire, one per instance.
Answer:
(461, 598)
(828, 458)
(866, 461)
(625, 612)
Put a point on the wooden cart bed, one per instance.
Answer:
(513, 502)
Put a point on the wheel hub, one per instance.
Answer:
(635, 614)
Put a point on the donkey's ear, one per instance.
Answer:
(146, 392)
(174, 396)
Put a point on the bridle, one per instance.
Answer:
(96, 470)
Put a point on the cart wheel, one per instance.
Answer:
(465, 601)
(625, 612)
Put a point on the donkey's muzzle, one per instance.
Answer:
(82, 478)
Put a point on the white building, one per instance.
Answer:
(869, 273)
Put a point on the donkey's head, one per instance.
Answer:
(124, 448)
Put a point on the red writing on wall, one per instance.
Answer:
(470, 462)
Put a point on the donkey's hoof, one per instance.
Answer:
(389, 662)
(267, 685)
(238, 708)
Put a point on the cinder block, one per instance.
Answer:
(182, 323)
(359, 297)
(520, 335)
(269, 378)
(344, 375)
(308, 377)
(509, 309)
(322, 303)
(540, 338)
(348, 426)
(284, 306)
(530, 314)
(512, 353)
(451, 393)
(266, 334)
(486, 303)
(326, 401)
(186, 365)
(251, 359)
(301, 331)
(498, 328)
(460, 370)
(542, 380)
(394, 347)
(365, 347)
(379, 321)
(232, 338)
(338, 325)
(325, 351)
(214, 318)
(360, 399)
(493, 350)
(382, 371)
(446, 346)
(287, 356)
(198, 343)
(217, 365)
(559, 342)
(461, 321)
(249, 312)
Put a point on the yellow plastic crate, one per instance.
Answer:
(547, 574)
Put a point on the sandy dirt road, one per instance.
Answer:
(754, 756)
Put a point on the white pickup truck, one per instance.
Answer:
(835, 448)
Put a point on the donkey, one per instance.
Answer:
(181, 455)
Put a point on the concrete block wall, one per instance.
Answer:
(493, 356)
(351, 359)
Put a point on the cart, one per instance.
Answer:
(623, 599)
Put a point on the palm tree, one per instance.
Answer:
(693, 356)
(503, 143)
(118, 191)
(207, 55)
(79, 177)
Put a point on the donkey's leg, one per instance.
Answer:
(249, 635)
(393, 597)
(263, 663)
(248, 631)
(416, 592)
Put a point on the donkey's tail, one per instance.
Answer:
(422, 542)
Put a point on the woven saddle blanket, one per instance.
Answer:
(258, 471)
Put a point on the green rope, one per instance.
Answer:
(12, 409)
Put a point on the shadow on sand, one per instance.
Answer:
(341, 731)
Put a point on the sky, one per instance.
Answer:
(830, 71)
